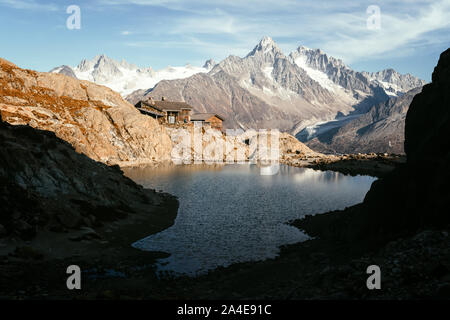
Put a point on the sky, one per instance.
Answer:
(407, 35)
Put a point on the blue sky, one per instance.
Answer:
(158, 33)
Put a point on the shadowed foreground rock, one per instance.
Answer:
(45, 184)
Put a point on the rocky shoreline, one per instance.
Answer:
(413, 267)
(376, 165)
(37, 269)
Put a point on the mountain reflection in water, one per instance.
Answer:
(233, 213)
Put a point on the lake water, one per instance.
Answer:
(232, 213)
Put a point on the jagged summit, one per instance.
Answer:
(393, 82)
(316, 57)
(103, 61)
(266, 45)
(86, 64)
(267, 41)
(209, 64)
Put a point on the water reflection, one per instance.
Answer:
(232, 213)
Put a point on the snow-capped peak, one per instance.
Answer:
(317, 65)
(265, 46)
(125, 64)
(267, 41)
(316, 58)
(209, 64)
(328, 70)
(394, 83)
(263, 67)
(125, 77)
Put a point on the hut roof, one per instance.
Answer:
(205, 116)
(168, 105)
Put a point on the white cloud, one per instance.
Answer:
(212, 25)
(399, 34)
(337, 27)
(28, 5)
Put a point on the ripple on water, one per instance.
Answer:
(232, 213)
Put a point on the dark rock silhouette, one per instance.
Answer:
(416, 195)
(46, 185)
(427, 122)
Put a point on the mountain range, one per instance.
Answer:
(295, 93)
(380, 130)
(124, 77)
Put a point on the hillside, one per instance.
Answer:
(92, 118)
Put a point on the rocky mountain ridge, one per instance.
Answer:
(267, 89)
(393, 83)
(380, 130)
